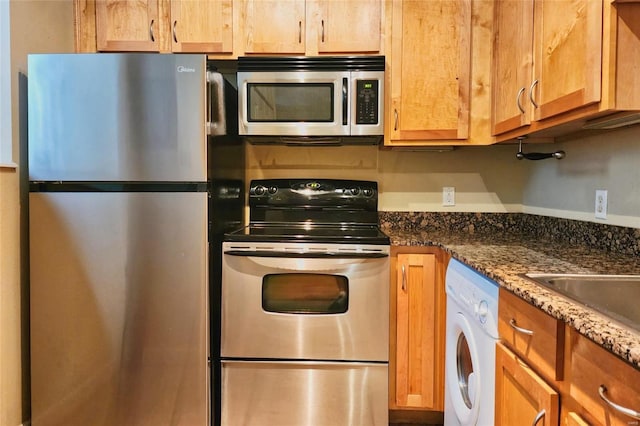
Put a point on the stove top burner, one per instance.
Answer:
(312, 210)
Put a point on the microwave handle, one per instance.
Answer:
(345, 99)
(216, 113)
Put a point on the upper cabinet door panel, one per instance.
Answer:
(430, 70)
(348, 26)
(275, 26)
(512, 64)
(202, 26)
(568, 55)
(123, 25)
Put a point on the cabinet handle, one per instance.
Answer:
(522, 89)
(395, 115)
(512, 323)
(533, 86)
(404, 279)
(322, 30)
(151, 31)
(299, 32)
(539, 417)
(175, 38)
(619, 408)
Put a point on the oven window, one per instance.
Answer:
(290, 102)
(305, 293)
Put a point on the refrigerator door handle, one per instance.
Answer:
(216, 112)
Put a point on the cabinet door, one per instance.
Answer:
(348, 26)
(275, 26)
(418, 359)
(603, 384)
(202, 26)
(430, 70)
(512, 64)
(568, 56)
(521, 395)
(123, 25)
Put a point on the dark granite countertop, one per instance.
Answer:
(504, 252)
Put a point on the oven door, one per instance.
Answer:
(305, 302)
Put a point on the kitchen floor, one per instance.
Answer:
(415, 418)
(413, 424)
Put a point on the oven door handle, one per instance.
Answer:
(306, 255)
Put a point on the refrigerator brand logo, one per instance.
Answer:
(182, 68)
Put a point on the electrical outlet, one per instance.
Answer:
(448, 196)
(601, 203)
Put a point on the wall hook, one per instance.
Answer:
(537, 155)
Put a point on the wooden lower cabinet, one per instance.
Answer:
(522, 396)
(417, 329)
(545, 364)
(591, 367)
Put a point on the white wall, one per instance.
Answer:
(487, 179)
(566, 188)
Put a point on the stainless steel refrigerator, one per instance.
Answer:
(119, 224)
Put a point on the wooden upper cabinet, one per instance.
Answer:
(547, 62)
(197, 26)
(430, 66)
(275, 26)
(312, 27)
(348, 26)
(123, 25)
(583, 58)
(567, 55)
(512, 65)
(202, 26)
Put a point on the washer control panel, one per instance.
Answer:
(476, 294)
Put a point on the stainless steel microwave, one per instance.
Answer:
(311, 100)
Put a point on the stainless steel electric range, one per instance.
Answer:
(305, 307)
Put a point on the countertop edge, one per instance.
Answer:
(616, 338)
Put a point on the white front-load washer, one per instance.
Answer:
(470, 355)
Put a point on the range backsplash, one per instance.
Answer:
(617, 239)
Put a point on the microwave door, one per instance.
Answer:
(294, 103)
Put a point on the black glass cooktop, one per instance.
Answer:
(312, 210)
(311, 233)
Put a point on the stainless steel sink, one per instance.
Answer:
(616, 296)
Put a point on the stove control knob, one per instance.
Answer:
(355, 191)
(259, 190)
(367, 192)
(272, 190)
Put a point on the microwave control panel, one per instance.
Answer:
(367, 100)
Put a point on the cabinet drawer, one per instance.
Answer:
(534, 335)
(592, 367)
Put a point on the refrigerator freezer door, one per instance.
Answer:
(119, 328)
(117, 117)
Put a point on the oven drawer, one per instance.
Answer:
(273, 308)
(304, 393)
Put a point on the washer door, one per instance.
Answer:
(463, 373)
